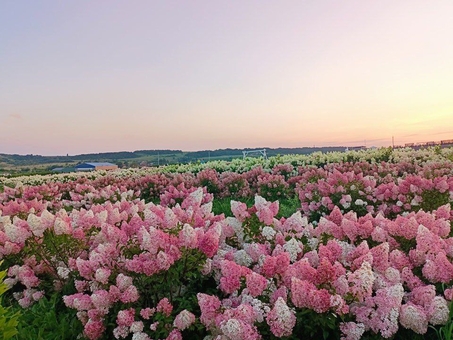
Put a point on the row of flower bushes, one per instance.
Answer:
(387, 188)
(238, 165)
(146, 271)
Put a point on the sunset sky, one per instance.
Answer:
(96, 76)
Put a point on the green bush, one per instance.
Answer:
(8, 319)
(49, 319)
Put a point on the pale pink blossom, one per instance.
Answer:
(136, 327)
(102, 275)
(183, 320)
(361, 281)
(438, 311)
(281, 319)
(414, 317)
(101, 299)
(352, 330)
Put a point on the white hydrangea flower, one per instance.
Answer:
(360, 202)
(4, 220)
(61, 227)
(207, 267)
(440, 312)
(241, 257)
(63, 272)
(268, 233)
(237, 226)
(259, 308)
(313, 242)
(137, 326)
(232, 328)
(36, 225)
(293, 247)
(140, 336)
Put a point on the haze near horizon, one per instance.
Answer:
(90, 77)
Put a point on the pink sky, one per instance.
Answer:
(83, 77)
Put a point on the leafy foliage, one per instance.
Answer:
(8, 318)
(49, 319)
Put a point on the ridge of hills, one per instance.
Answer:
(24, 163)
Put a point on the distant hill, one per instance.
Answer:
(23, 163)
(33, 160)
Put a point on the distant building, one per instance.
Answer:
(96, 166)
(66, 169)
(356, 148)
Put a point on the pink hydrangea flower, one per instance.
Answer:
(231, 276)
(305, 295)
(266, 210)
(239, 330)
(123, 282)
(209, 243)
(131, 294)
(164, 306)
(174, 335)
(93, 329)
(125, 317)
(147, 313)
(449, 294)
(256, 283)
(188, 237)
(239, 210)
(120, 332)
(438, 269)
(209, 306)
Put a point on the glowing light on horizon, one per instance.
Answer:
(87, 77)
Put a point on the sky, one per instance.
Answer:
(100, 76)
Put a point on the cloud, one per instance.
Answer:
(12, 118)
(443, 133)
(15, 116)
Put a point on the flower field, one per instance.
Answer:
(344, 245)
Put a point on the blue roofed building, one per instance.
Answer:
(96, 166)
